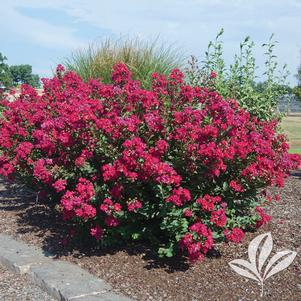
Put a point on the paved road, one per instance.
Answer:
(14, 287)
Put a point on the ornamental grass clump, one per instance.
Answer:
(175, 165)
(141, 58)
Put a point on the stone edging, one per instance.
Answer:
(62, 280)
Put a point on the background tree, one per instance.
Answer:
(298, 75)
(297, 90)
(22, 74)
(5, 77)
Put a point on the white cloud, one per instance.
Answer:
(38, 31)
(190, 23)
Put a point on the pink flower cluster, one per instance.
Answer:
(175, 159)
(236, 235)
(197, 242)
(77, 203)
(264, 218)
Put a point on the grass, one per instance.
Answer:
(142, 58)
(292, 127)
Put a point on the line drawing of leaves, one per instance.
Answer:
(277, 263)
(288, 257)
(237, 265)
(265, 251)
(254, 245)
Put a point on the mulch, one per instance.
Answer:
(137, 272)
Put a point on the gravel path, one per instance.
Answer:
(15, 287)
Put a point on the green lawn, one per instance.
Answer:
(292, 127)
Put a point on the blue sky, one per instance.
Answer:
(43, 33)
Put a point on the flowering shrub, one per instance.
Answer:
(176, 165)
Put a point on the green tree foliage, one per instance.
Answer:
(297, 90)
(298, 75)
(22, 74)
(16, 74)
(238, 80)
(5, 78)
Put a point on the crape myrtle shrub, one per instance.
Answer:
(176, 165)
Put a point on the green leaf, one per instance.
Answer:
(225, 186)
(136, 236)
(166, 252)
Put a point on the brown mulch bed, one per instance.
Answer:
(137, 272)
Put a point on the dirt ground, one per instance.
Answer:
(137, 272)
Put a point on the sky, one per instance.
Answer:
(43, 33)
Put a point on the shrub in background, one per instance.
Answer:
(175, 165)
(297, 92)
(141, 58)
(297, 89)
(238, 81)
